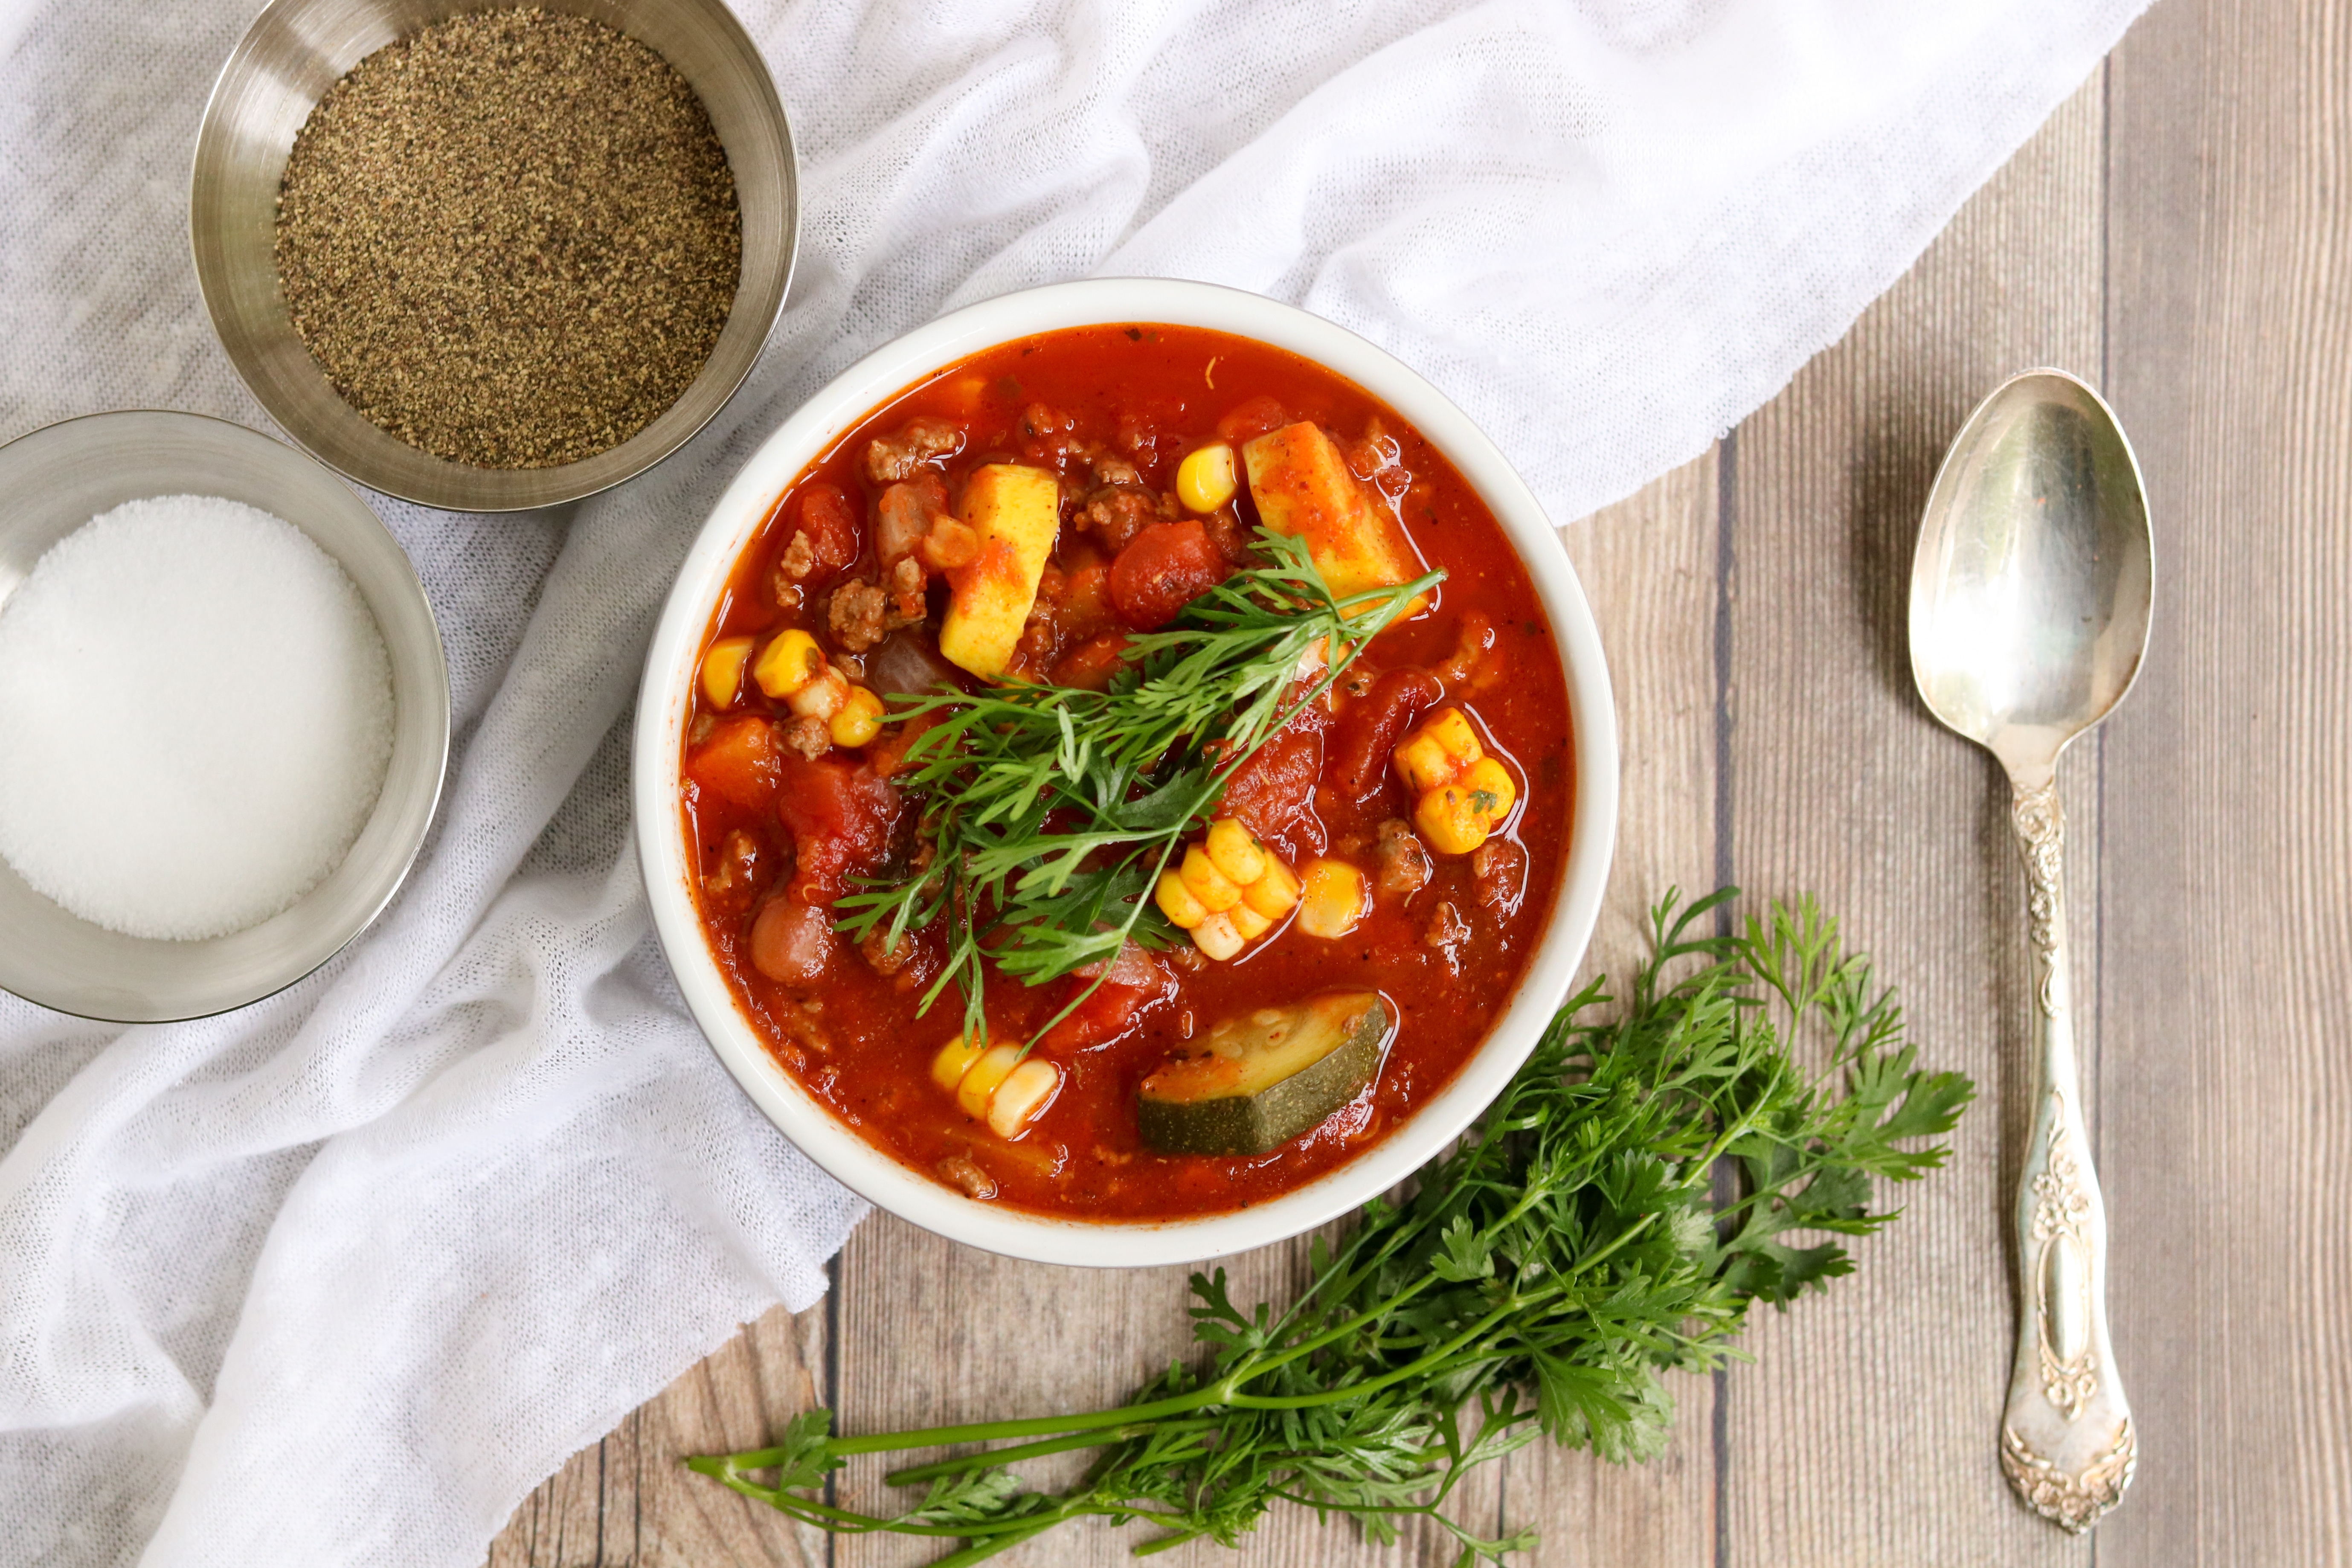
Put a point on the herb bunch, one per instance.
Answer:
(1539, 1281)
(1049, 811)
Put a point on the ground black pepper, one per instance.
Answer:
(509, 238)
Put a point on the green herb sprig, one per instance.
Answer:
(1538, 1281)
(1049, 811)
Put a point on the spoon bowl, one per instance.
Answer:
(2031, 591)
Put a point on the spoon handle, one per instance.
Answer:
(2067, 1440)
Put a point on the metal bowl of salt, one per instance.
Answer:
(59, 478)
(298, 49)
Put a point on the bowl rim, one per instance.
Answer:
(839, 408)
(438, 711)
(212, 289)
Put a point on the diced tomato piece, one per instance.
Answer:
(1092, 663)
(740, 761)
(1273, 794)
(1101, 1018)
(1254, 417)
(1169, 565)
(840, 815)
(829, 525)
(1370, 728)
(1137, 979)
(887, 755)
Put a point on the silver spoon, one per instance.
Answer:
(2029, 616)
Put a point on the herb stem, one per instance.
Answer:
(1036, 1427)
(989, 1458)
(981, 1551)
(839, 1520)
(1098, 1423)
(1418, 1367)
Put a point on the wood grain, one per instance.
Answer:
(2227, 1079)
(1649, 566)
(2178, 231)
(1866, 1431)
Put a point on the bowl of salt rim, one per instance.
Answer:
(60, 477)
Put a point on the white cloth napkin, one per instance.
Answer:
(337, 1279)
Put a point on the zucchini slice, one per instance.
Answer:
(1251, 1084)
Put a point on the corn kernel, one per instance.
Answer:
(788, 663)
(1422, 764)
(1023, 1098)
(1177, 902)
(1273, 893)
(980, 1080)
(1214, 889)
(955, 1058)
(821, 697)
(722, 670)
(1233, 851)
(859, 721)
(1218, 936)
(1437, 752)
(1333, 900)
(1490, 778)
(1449, 823)
(1204, 479)
(1248, 922)
(1450, 729)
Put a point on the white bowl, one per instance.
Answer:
(662, 707)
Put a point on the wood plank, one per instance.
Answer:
(2226, 1080)
(1649, 565)
(934, 1333)
(629, 1502)
(1866, 1431)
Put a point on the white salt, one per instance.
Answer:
(196, 714)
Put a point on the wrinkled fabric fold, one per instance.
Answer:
(339, 1278)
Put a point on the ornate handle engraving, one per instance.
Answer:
(2041, 834)
(2074, 1502)
(2067, 1442)
(2059, 1282)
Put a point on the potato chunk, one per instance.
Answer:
(1016, 512)
(1303, 487)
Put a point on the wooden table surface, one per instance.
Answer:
(2179, 233)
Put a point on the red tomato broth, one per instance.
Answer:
(857, 1040)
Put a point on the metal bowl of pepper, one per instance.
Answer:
(480, 258)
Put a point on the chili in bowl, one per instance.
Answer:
(1125, 774)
